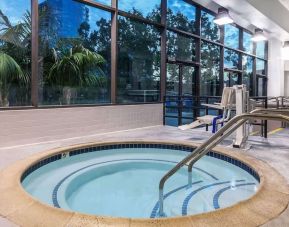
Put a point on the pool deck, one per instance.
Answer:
(274, 150)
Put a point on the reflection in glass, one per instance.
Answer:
(232, 36)
(247, 42)
(210, 72)
(188, 79)
(147, 9)
(262, 83)
(231, 79)
(260, 49)
(180, 47)
(105, 2)
(209, 29)
(138, 62)
(231, 59)
(74, 53)
(248, 73)
(172, 81)
(260, 67)
(181, 15)
(15, 53)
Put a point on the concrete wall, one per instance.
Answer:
(41, 125)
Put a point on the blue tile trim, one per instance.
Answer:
(156, 207)
(56, 188)
(221, 191)
(189, 197)
(140, 145)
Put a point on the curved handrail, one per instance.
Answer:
(202, 150)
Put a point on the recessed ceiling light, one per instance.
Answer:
(259, 35)
(223, 17)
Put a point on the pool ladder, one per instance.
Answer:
(219, 136)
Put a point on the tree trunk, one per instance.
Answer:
(68, 94)
(4, 102)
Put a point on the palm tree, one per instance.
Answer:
(78, 67)
(10, 72)
(15, 49)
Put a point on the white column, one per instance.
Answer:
(275, 68)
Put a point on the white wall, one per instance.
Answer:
(275, 68)
(42, 125)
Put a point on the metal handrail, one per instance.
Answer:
(202, 150)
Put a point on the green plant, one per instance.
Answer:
(77, 67)
(10, 72)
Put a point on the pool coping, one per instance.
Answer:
(269, 202)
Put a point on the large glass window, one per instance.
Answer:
(260, 49)
(181, 15)
(15, 52)
(180, 47)
(74, 53)
(231, 79)
(232, 36)
(231, 59)
(147, 9)
(248, 73)
(247, 42)
(138, 62)
(260, 67)
(209, 29)
(210, 73)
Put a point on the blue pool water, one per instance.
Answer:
(124, 183)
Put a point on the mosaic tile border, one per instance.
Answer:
(96, 148)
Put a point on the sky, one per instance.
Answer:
(14, 11)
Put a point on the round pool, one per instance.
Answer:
(122, 180)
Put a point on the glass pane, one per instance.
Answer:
(231, 79)
(210, 72)
(74, 53)
(148, 9)
(181, 15)
(171, 121)
(260, 67)
(138, 62)
(180, 47)
(248, 73)
(188, 80)
(105, 2)
(260, 49)
(172, 82)
(231, 59)
(209, 29)
(247, 43)
(15, 53)
(232, 36)
(261, 86)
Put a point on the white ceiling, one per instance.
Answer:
(270, 15)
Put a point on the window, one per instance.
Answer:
(181, 15)
(232, 36)
(231, 79)
(138, 62)
(75, 53)
(260, 49)
(261, 86)
(15, 53)
(180, 47)
(209, 29)
(147, 9)
(210, 72)
(172, 81)
(260, 67)
(231, 59)
(247, 43)
(105, 2)
(248, 73)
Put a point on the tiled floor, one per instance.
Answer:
(274, 150)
